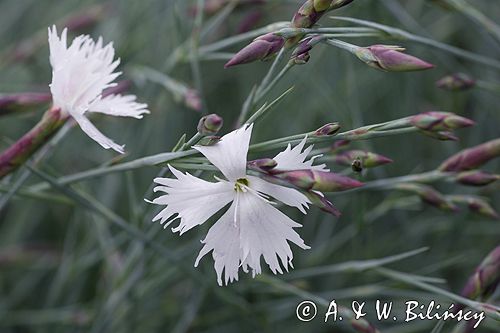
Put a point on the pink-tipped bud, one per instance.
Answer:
(440, 121)
(367, 159)
(192, 100)
(481, 207)
(441, 135)
(486, 277)
(301, 53)
(320, 201)
(339, 145)
(389, 58)
(336, 4)
(428, 195)
(262, 48)
(476, 178)
(363, 326)
(317, 180)
(22, 101)
(472, 158)
(456, 82)
(210, 124)
(328, 129)
(263, 164)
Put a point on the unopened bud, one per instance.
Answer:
(318, 180)
(22, 101)
(192, 100)
(339, 3)
(262, 48)
(339, 145)
(440, 121)
(472, 158)
(210, 124)
(328, 129)
(367, 159)
(476, 178)
(428, 195)
(456, 82)
(320, 201)
(389, 58)
(263, 164)
(440, 135)
(485, 278)
(482, 207)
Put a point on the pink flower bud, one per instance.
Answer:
(320, 201)
(317, 180)
(19, 102)
(192, 100)
(440, 121)
(389, 58)
(428, 195)
(328, 129)
(472, 158)
(367, 159)
(456, 82)
(263, 164)
(476, 178)
(485, 278)
(481, 207)
(210, 124)
(440, 135)
(261, 48)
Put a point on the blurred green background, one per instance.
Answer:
(66, 268)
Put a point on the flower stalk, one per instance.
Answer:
(21, 150)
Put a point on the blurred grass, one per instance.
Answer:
(68, 268)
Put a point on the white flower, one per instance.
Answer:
(80, 73)
(252, 227)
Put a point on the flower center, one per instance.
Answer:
(241, 185)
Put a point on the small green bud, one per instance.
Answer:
(328, 129)
(210, 124)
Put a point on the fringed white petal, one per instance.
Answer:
(229, 155)
(223, 239)
(286, 195)
(96, 135)
(249, 230)
(265, 231)
(80, 73)
(296, 158)
(194, 200)
(118, 105)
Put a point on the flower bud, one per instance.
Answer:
(317, 180)
(22, 101)
(263, 164)
(456, 82)
(328, 129)
(476, 178)
(481, 207)
(472, 158)
(367, 159)
(210, 124)
(389, 58)
(428, 195)
(192, 100)
(319, 200)
(485, 278)
(336, 4)
(440, 135)
(440, 121)
(262, 48)
(339, 145)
